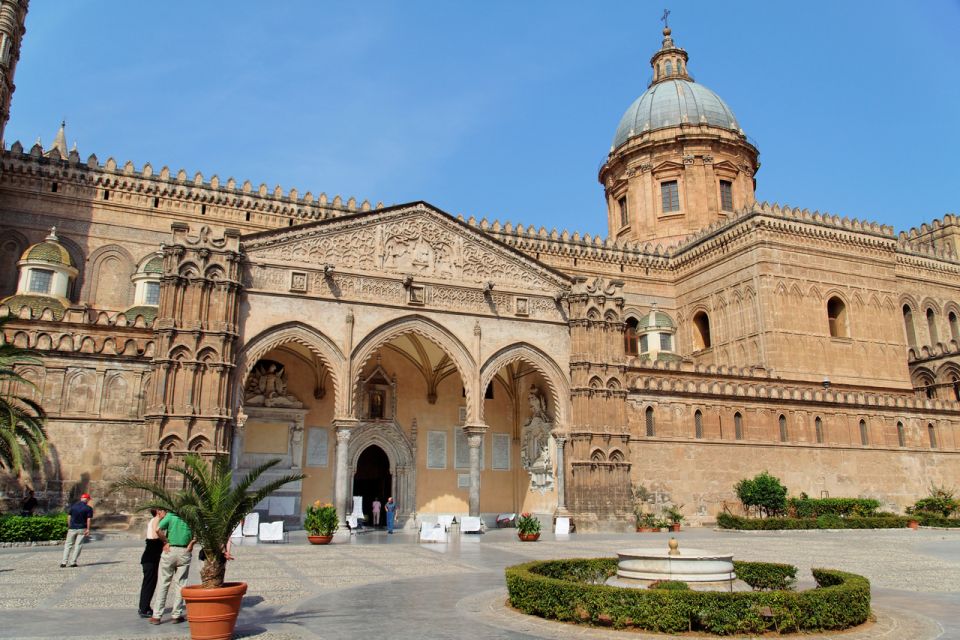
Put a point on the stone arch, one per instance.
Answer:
(403, 465)
(111, 268)
(426, 328)
(12, 246)
(545, 366)
(314, 340)
(616, 455)
(597, 455)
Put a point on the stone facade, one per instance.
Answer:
(469, 366)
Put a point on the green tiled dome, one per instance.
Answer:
(37, 304)
(154, 265)
(48, 251)
(148, 312)
(661, 320)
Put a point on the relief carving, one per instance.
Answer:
(267, 387)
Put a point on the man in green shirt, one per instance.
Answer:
(174, 562)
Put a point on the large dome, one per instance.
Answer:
(674, 102)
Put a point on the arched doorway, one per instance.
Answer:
(372, 479)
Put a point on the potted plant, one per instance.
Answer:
(212, 505)
(321, 523)
(659, 524)
(675, 517)
(646, 523)
(528, 527)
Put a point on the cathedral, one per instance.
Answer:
(476, 367)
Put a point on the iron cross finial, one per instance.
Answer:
(666, 14)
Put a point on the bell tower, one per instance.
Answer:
(679, 160)
(13, 15)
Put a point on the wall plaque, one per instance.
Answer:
(436, 450)
(501, 452)
(318, 439)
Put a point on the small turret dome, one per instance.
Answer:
(49, 251)
(671, 103)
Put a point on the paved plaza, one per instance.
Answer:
(376, 585)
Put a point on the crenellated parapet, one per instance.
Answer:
(224, 201)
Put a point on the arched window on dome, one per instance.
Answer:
(932, 327)
(630, 337)
(669, 68)
(908, 324)
(837, 318)
(701, 331)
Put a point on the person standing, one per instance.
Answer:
(376, 511)
(174, 563)
(391, 509)
(80, 516)
(150, 562)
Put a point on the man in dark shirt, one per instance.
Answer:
(79, 528)
(28, 504)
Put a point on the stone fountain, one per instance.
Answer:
(701, 570)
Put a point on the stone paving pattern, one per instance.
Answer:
(375, 584)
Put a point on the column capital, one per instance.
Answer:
(560, 436)
(475, 428)
(344, 424)
(343, 436)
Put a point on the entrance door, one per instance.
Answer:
(373, 480)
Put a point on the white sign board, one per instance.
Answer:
(318, 447)
(436, 450)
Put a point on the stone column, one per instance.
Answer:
(474, 433)
(238, 423)
(340, 480)
(561, 440)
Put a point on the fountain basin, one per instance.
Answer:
(702, 570)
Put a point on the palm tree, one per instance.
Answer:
(210, 504)
(23, 436)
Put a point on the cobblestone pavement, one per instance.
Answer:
(375, 584)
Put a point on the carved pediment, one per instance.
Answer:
(410, 240)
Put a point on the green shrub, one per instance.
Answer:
(571, 590)
(766, 576)
(670, 585)
(33, 528)
(935, 520)
(765, 492)
(727, 521)
(941, 501)
(804, 507)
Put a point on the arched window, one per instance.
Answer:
(932, 327)
(908, 323)
(837, 318)
(630, 337)
(954, 326)
(956, 387)
(783, 428)
(864, 436)
(651, 428)
(932, 432)
(669, 68)
(738, 426)
(818, 427)
(679, 66)
(701, 331)
(901, 435)
(698, 424)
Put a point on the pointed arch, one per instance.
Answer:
(426, 328)
(544, 364)
(313, 339)
(108, 286)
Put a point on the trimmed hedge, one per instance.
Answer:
(828, 521)
(766, 576)
(33, 528)
(843, 507)
(573, 591)
(935, 520)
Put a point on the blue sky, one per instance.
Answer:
(499, 109)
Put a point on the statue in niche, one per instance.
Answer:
(267, 387)
(377, 401)
(537, 443)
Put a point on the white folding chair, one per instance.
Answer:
(471, 524)
(562, 528)
(445, 521)
(271, 531)
(251, 524)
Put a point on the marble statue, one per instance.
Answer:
(267, 387)
(536, 450)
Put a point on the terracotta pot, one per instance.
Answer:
(529, 537)
(913, 524)
(675, 527)
(212, 613)
(646, 530)
(320, 539)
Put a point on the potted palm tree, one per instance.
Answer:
(212, 506)
(675, 516)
